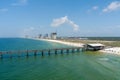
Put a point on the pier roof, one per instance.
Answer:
(96, 44)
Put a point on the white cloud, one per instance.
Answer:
(23, 1)
(75, 26)
(20, 2)
(112, 6)
(3, 9)
(57, 22)
(64, 20)
(118, 26)
(94, 7)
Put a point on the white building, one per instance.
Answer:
(53, 35)
(95, 46)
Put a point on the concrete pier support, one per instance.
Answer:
(10, 54)
(49, 52)
(78, 49)
(83, 49)
(61, 51)
(27, 53)
(18, 53)
(42, 53)
(72, 50)
(1, 55)
(55, 51)
(67, 50)
(35, 53)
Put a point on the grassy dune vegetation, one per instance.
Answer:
(107, 43)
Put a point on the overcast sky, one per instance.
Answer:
(66, 17)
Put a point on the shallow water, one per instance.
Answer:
(72, 66)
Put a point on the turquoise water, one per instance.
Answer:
(7, 44)
(73, 66)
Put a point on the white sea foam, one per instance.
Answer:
(104, 59)
(113, 50)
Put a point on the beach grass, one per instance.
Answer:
(108, 43)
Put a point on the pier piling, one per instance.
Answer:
(1, 55)
(77, 49)
(35, 53)
(67, 50)
(55, 51)
(10, 54)
(18, 53)
(42, 53)
(27, 54)
(61, 51)
(49, 52)
(72, 50)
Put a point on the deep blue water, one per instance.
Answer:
(7, 44)
(72, 66)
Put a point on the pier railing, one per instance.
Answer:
(42, 52)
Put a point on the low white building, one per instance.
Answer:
(95, 46)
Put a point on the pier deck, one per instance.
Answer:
(48, 51)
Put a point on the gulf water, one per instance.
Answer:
(72, 66)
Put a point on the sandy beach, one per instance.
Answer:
(66, 43)
(107, 50)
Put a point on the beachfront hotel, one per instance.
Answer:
(53, 35)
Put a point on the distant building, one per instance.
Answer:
(46, 36)
(26, 36)
(53, 35)
(40, 36)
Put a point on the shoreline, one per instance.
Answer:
(63, 42)
(111, 50)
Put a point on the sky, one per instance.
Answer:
(83, 18)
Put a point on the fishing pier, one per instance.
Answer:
(43, 52)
